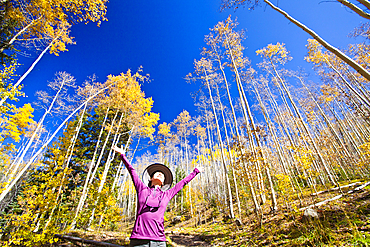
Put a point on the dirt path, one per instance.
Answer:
(177, 240)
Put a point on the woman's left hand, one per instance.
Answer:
(118, 149)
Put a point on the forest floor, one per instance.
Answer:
(341, 222)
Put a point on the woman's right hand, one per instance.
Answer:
(118, 149)
(200, 168)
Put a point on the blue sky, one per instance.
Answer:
(166, 36)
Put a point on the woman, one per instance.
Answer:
(153, 196)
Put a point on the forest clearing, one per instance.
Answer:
(342, 222)
(276, 156)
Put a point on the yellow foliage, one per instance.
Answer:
(148, 121)
(7, 74)
(277, 53)
(126, 96)
(329, 93)
(16, 123)
(184, 124)
(304, 158)
(164, 129)
(321, 58)
(365, 150)
(231, 40)
(315, 53)
(283, 183)
(32, 225)
(40, 19)
(200, 131)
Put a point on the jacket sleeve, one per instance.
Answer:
(173, 191)
(139, 185)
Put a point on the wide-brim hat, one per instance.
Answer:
(153, 168)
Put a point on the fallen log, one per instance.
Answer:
(86, 241)
(336, 188)
(359, 188)
(321, 203)
(337, 197)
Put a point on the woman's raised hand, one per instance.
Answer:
(118, 149)
(200, 168)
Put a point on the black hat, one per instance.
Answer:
(153, 168)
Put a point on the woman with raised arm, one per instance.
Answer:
(153, 195)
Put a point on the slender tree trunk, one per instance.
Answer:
(231, 159)
(252, 130)
(68, 158)
(18, 34)
(28, 71)
(85, 189)
(349, 86)
(296, 110)
(40, 123)
(230, 203)
(330, 126)
(106, 167)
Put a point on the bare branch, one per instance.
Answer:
(356, 9)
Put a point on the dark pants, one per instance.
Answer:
(146, 243)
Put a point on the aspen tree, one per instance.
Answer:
(328, 138)
(212, 159)
(203, 67)
(327, 121)
(20, 80)
(62, 81)
(232, 44)
(282, 158)
(211, 41)
(184, 125)
(67, 161)
(131, 107)
(14, 124)
(283, 126)
(229, 152)
(275, 54)
(50, 138)
(106, 167)
(34, 24)
(7, 90)
(37, 199)
(89, 176)
(219, 37)
(200, 133)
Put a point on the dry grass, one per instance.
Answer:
(344, 222)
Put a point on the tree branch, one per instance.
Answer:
(335, 197)
(366, 3)
(329, 47)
